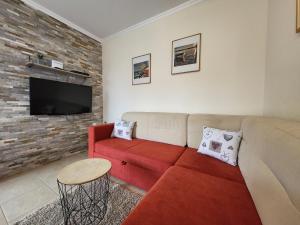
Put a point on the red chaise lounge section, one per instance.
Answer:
(188, 197)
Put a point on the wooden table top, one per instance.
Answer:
(84, 171)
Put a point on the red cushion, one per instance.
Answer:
(206, 164)
(154, 155)
(188, 197)
(115, 147)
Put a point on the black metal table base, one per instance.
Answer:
(84, 204)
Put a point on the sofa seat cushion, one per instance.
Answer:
(206, 164)
(115, 147)
(188, 197)
(154, 155)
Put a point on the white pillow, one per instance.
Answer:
(221, 144)
(123, 129)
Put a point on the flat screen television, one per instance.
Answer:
(58, 98)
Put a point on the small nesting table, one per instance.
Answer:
(84, 189)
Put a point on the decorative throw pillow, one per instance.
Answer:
(123, 129)
(221, 144)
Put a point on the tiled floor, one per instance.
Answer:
(25, 193)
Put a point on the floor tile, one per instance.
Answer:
(74, 158)
(50, 181)
(48, 174)
(24, 204)
(2, 218)
(15, 186)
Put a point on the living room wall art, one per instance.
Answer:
(186, 54)
(141, 69)
(298, 17)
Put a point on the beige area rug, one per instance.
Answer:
(121, 202)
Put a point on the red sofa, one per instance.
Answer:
(188, 197)
(187, 188)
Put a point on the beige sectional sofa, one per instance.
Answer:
(269, 159)
(269, 167)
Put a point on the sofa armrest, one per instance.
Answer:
(97, 133)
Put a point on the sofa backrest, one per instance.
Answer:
(269, 159)
(170, 128)
(197, 121)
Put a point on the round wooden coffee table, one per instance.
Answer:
(84, 189)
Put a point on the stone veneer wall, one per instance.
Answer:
(29, 141)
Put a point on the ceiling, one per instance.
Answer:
(103, 18)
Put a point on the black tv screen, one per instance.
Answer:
(58, 98)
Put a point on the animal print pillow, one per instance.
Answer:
(221, 144)
(123, 129)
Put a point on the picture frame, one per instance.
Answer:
(186, 54)
(298, 16)
(141, 69)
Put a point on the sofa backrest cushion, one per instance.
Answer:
(197, 121)
(170, 128)
(269, 159)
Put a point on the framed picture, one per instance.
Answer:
(186, 54)
(298, 17)
(141, 69)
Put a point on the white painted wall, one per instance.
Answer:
(282, 87)
(231, 80)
